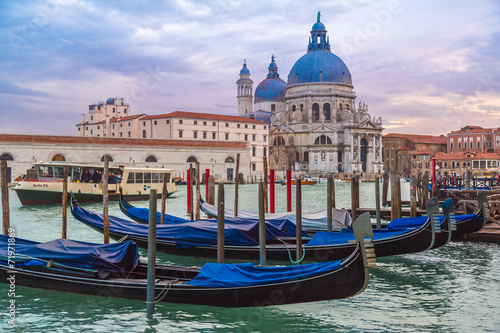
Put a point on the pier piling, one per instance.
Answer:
(377, 202)
(262, 226)
(188, 189)
(354, 196)
(298, 218)
(64, 202)
(288, 190)
(329, 200)
(207, 192)
(413, 196)
(220, 223)
(236, 185)
(271, 191)
(151, 277)
(198, 192)
(105, 199)
(164, 193)
(211, 190)
(266, 180)
(385, 187)
(5, 197)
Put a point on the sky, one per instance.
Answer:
(425, 67)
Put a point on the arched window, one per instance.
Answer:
(58, 157)
(192, 159)
(306, 156)
(341, 106)
(6, 157)
(326, 111)
(230, 159)
(315, 111)
(323, 140)
(294, 108)
(110, 158)
(279, 141)
(144, 134)
(151, 158)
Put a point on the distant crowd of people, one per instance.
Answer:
(96, 177)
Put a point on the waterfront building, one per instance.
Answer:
(316, 127)
(411, 153)
(112, 119)
(218, 156)
(474, 139)
(457, 164)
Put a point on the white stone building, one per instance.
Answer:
(21, 151)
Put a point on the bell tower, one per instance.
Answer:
(245, 90)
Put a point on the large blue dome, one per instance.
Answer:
(271, 89)
(319, 66)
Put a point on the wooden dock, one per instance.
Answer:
(490, 234)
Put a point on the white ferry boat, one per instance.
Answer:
(44, 183)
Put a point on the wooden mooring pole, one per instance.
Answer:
(151, 277)
(188, 189)
(211, 190)
(65, 203)
(266, 181)
(207, 192)
(377, 202)
(394, 196)
(329, 201)
(413, 196)
(354, 196)
(288, 190)
(272, 199)
(105, 199)
(237, 181)
(262, 225)
(164, 193)
(298, 218)
(198, 192)
(385, 186)
(220, 223)
(5, 197)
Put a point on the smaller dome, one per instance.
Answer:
(318, 26)
(110, 101)
(244, 70)
(271, 89)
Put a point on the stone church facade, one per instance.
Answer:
(316, 126)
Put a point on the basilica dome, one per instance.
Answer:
(273, 88)
(319, 64)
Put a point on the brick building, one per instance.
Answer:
(411, 153)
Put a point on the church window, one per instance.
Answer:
(294, 108)
(347, 107)
(341, 106)
(279, 141)
(301, 107)
(273, 107)
(306, 156)
(323, 140)
(315, 111)
(326, 110)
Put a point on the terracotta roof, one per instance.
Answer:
(419, 138)
(404, 148)
(473, 129)
(118, 141)
(199, 115)
(463, 156)
(421, 152)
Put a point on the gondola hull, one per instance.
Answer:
(344, 282)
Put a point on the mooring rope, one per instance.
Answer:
(169, 285)
(290, 254)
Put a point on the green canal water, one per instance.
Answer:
(452, 289)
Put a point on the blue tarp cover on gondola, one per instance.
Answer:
(283, 224)
(240, 275)
(345, 235)
(412, 222)
(187, 234)
(109, 257)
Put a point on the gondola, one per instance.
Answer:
(311, 221)
(199, 238)
(114, 270)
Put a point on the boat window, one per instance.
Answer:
(59, 172)
(155, 177)
(76, 173)
(147, 177)
(130, 179)
(138, 177)
(45, 171)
